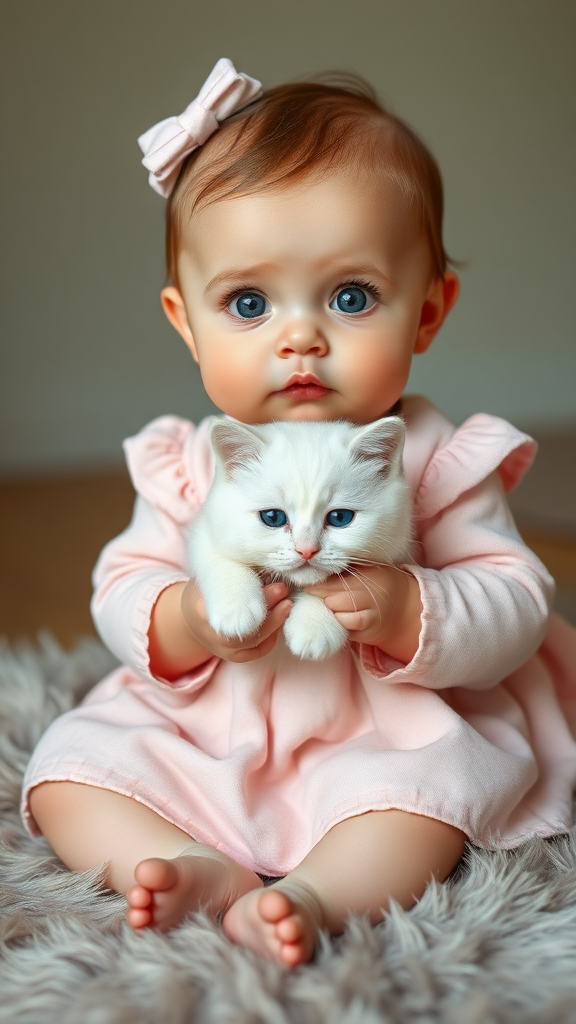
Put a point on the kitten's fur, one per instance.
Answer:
(306, 469)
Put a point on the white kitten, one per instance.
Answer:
(297, 501)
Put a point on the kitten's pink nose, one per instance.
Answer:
(307, 552)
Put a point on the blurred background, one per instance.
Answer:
(86, 357)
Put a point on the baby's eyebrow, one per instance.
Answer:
(347, 269)
(343, 268)
(241, 274)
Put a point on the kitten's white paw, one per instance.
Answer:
(233, 620)
(311, 630)
(234, 601)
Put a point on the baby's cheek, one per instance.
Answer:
(225, 383)
(379, 381)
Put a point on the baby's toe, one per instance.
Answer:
(139, 918)
(274, 905)
(156, 874)
(290, 929)
(138, 896)
(293, 953)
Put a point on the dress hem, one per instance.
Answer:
(485, 839)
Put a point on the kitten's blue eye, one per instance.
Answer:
(340, 517)
(273, 517)
(350, 300)
(249, 305)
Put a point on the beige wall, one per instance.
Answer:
(86, 357)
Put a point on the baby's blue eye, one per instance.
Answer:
(249, 305)
(350, 300)
(339, 517)
(273, 517)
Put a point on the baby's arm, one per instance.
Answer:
(473, 614)
(380, 606)
(486, 597)
(180, 637)
(150, 614)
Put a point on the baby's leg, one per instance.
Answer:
(174, 875)
(358, 867)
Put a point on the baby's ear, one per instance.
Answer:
(235, 444)
(173, 306)
(441, 297)
(382, 440)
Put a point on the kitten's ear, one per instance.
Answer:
(382, 440)
(235, 444)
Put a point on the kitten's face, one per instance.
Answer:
(303, 501)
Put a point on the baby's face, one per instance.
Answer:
(305, 304)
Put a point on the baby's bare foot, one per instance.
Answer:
(167, 890)
(281, 923)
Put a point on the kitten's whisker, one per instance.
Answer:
(385, 565)
(349, 589)
(389, 565)
(361, 577)
(373, 598)
(404, 571)
(368, 562)
(384, 592)
(372, 561)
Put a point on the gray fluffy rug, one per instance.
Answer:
(495, 944)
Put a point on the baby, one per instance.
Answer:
(304, 246)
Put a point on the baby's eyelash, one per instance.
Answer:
(357, 282)
(229, 297)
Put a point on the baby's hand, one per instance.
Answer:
(378, 605)
(249, 648)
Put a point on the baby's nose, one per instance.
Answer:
(301, 335)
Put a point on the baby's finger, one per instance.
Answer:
(356, 622)
(272, 623)
(201, 609)
(274, 620)
(274, 593)
(267, 635)
(259, 651)
(232, 649)
(348, 601)
(330, 586)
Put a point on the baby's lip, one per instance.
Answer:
(302, 387)
(303, 379)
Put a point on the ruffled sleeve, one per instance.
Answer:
(161, 460)
(480, 446)
(485, 595)
(171, 466)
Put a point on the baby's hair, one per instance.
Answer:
(308, 129)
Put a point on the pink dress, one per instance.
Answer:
(261, 759)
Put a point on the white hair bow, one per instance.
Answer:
(168, 143)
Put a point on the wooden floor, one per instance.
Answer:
(51, 532)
